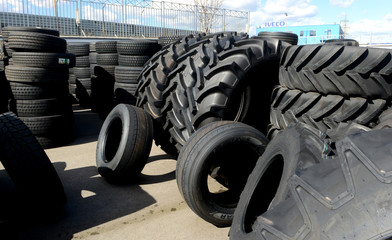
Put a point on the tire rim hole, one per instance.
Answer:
(113, 139)
(264, 192)
(228, 172)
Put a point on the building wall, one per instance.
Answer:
(310, 34)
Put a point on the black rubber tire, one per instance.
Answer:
(36, 42)
(42, 107)
(38, 90)
(106, 47)
(106, 71)
(290, 38)
(22, 74)
(338, 198)
(44, 60)
(237, 88)
(28, 166)
(47, 125)
(344, 42)
(72, 88)
(82, 61)
(71, 78)
(129, 87)
(127, 74)
(79, 49)
(214, 151)
(107, 59)
(341, 70)
(82, 72)
(7, 30)
(132, 61)
(167, 40)
(124, 143)
(5, 92)
(93, 57)
(157, 81)
(322, 112)
(92, 47)
(138, 47)
(83, 83)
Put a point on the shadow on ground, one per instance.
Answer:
(91, 202)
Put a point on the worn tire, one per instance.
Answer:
(43, 107)
(322, 112)
(124, 143)
(214, 151)
(342, 70)
(44, 60)
(167, 40)
(342, 198)
(82, 72)
(28, 166)
(82, 61)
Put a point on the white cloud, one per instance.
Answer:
(109, 12)
(341, 3)
(366, 30)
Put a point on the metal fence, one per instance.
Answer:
(116, 18)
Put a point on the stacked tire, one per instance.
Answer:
(38, 81)
(5, 90)
(133, 54)
(102, 82)
(80, 79)
(167, 40)
(188, 85)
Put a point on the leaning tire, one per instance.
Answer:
(214, 151)
(124, 143)
(28, 165)
(344, 42)
(340, 198)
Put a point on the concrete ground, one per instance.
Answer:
(151, 208)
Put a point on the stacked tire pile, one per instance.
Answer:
(80, 79)
(133, 54)
(102, 82)
(167, 40)
(92, 57)
(5, 90)
(38, 81)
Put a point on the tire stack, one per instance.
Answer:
(80, 79)
(92, 57)
(38, 80)
(5, 90)
(133, 54)
(102, 83)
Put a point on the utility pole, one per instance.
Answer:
(345, 27)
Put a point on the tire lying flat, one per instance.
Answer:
(124, 143)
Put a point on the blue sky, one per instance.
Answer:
(364, 16)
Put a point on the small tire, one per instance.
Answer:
(124, 143)
(214, 151)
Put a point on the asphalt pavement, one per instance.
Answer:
(150, 208)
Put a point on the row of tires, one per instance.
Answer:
(320, 95)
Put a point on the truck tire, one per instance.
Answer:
(344, 42)
(213, 154)
(28, 165)
(36, 42)
(322, 111)
(106, 47)
(16, 73)
(341, 70)
(107, 59)
(346, 197)
(79, 49)
(132, 61)
(124, 143)
(138, 47)
(7, 30)
(44, 60)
